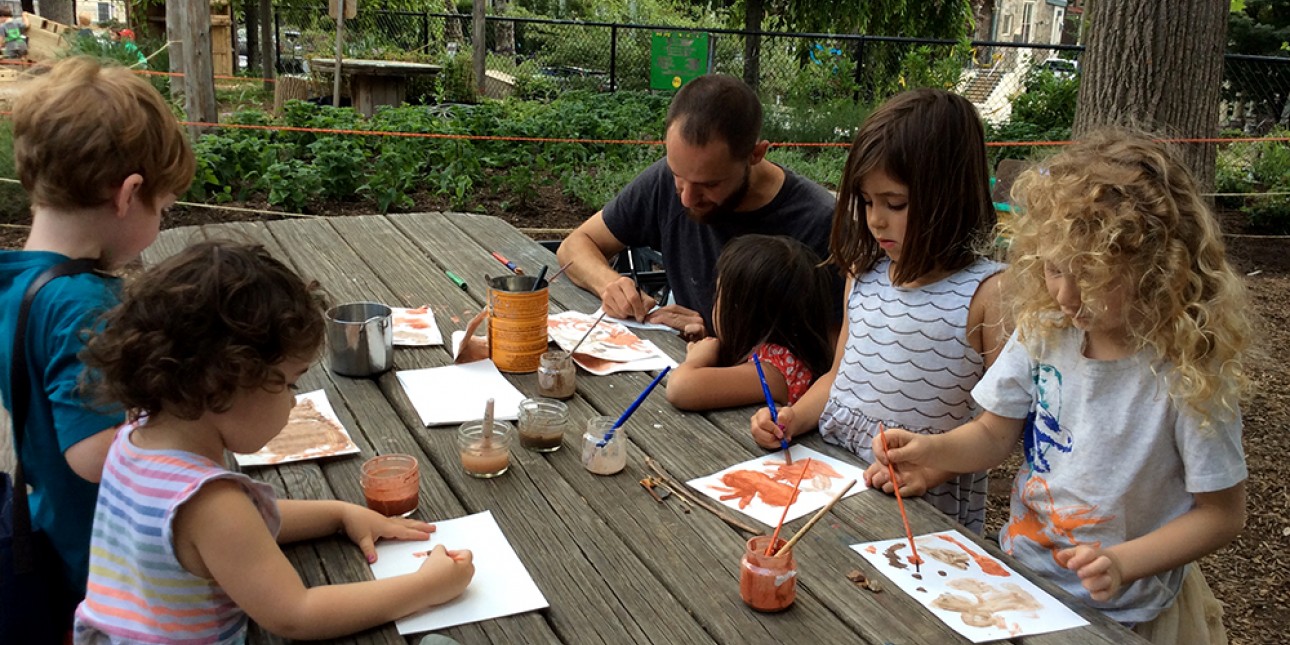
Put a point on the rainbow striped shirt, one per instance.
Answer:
(138, 592)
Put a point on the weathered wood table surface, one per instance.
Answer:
(615, 565)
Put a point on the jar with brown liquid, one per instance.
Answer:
(767, 582)
(557, 375)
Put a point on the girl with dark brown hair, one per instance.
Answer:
(772, 299)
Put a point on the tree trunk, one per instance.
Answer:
(452, 26)
(479, 45)
(268, 48)
(1157, 66)
(754, 11)
(199, 75)
(251, 18)
(61, 11)
(504, 30)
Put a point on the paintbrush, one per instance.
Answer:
(774, 414)
(560, 272)
(588, 334)
(631, 266)
(900, 501)
(815, 518)
(488, 425)
(609, 435)
(791, 498)
(541, 274)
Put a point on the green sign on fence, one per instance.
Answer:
(676, 58)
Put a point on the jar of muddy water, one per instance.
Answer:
(542, 424)
(601, 454)
(557, 375)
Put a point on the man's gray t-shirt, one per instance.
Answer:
(648, 212)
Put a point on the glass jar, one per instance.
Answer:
(767, 582)
(484, 456)
(609, 458)
(542, 424)
(390, 484)
(557, 375)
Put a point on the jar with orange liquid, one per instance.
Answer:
(767, 582)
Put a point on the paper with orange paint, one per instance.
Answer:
(973, 592)
(761, 488)
(415, 327)
(313, 431)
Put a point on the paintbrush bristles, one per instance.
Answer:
(815, 518)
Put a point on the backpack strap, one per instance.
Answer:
(20, 387)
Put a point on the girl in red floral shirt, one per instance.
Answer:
(773, 299)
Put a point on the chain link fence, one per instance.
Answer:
(796, 69)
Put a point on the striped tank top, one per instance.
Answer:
(138, 592)
(908, 364)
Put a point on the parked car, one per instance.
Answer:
(291, 57)
(1061, 67)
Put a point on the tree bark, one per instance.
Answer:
(199, 74)
(175, 36)
(504, 30)
(61, 11)
(251, 13)
(1157, 66)
(754, 12)
(268, 49)
(479, 45)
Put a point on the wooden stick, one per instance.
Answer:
(815, 518)
(696, 500)
(774, 537)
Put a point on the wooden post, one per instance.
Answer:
(479, 45)
(199, 76)
(175, 36)
(340, 52)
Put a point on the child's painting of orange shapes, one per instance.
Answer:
(762, 487)
(970, 590)
(313, 431)
(608, 341)
(415, 327)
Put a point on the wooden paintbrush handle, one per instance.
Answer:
(681, 491)
(788, 545)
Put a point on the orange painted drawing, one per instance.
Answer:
(744, 485)
(1047, 525)
(988, 564)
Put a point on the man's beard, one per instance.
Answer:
(727, 206)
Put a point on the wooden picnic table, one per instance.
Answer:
(374, 83)
(615, 565)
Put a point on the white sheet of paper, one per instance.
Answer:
(502, 585)
(761, 487)
(629, 322)
(953, 577)
(266, 457)
(457, 393)
(601, 367)
(415, 327)
(607, 341)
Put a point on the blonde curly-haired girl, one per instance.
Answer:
(1123, 378)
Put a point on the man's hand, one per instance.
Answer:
(621, 299)
(686, 321)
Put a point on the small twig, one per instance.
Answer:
(694, 499)
(648, 485)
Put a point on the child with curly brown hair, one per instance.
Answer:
(204, 353)
(1123, 379)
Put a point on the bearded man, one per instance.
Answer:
(715, 184)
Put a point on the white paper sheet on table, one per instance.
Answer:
(628, 322)
(968, 589)
(761, 487)
(308, 442)
(601, 367)
(457, 393)
(502, 585)
(607, 341)
(415, 327)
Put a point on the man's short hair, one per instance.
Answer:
(716, 106)
(81, 129)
